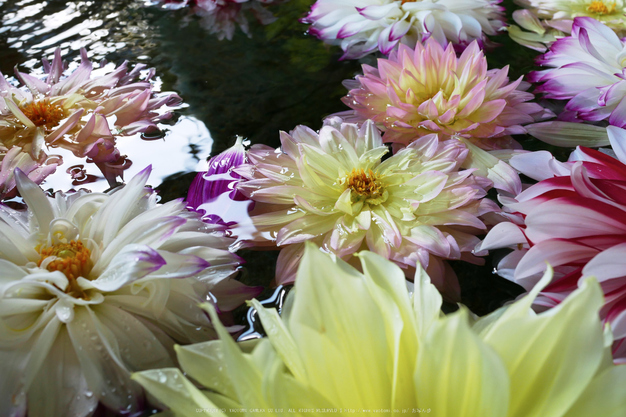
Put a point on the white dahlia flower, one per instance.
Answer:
(364, 26)
(95, 286)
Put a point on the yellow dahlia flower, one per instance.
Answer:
(355, 343)
(333, 188)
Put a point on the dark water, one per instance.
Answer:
(250, 86)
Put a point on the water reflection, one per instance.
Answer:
(34, 28)
(222, 17)
(182, 150)
(255, 328)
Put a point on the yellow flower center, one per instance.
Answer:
(598, 7)
(44, 113)
(72, 259)
(366, 186)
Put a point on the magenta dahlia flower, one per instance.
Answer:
(429, 90)
(575, 220)
(332, 188)
(586, 68)
(78, 111)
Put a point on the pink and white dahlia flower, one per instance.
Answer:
(96, 286)
(361, 27)
(587, 68)
(333, 189)
(575, 220)
(73, 110)
(429, 90)
(220, 17)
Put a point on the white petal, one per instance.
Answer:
(130, 264)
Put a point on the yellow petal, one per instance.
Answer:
(280, 338)
(604, 396)
(426, 302)
(244, 375)
(458, 375)
(171, 387)
(204, 363)
(387, 286)
(544, 353)
(341, 333)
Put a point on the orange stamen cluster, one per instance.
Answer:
(598, 7)
(365, 184)
(73, 259)
(43, 113)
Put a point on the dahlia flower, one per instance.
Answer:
(95, 286)
(587, 68)
(220, 17)
(73, 110)
(557, 16)
(355, 342)
(332, 188)
(538, 34)
(574, 219)
(428, 90)
(16, 159)
(363, 27)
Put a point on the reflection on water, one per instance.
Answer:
(249, 87)
(167, 156)
(34, 28)
(222, 17)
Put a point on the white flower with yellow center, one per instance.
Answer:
(610, 12)
(88, 295)
(333, 188)
(545, 21)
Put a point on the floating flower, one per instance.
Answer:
(538, 34)
(363, 27)
(428, 90)
(16, 159)
(220, 17)
(354, 341)
(574, 219)
(95, 286)
(73, 110)
(332, 188)
(587, 68)
(557, 17)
